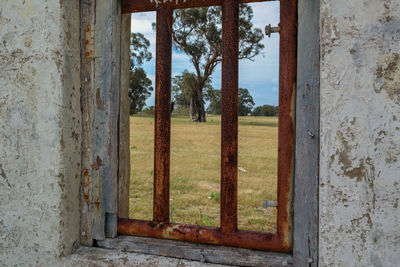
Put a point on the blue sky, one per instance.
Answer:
(260, 77)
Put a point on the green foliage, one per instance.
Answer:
(266, 110)
(246, 102)
(139, 49)
(183, 87)
(197, 32)
(216, 196)
(139, 89)
(181, 111)
(185, 94)
(139, 84)
(215, 102)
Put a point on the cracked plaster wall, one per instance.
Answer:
(360, 133)
(39, 131)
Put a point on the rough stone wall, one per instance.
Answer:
(360, 133)
(39, 130)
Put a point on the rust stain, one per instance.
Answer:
(99, 100)
(130, 6)
(162, 131)
(203, 234)
(97, 207)
(89, 42)
(287, 86)
(97, 164)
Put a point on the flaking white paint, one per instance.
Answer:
(360, 135)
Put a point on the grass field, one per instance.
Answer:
(195, 171)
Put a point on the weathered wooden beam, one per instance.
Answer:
(305, 236)
(197, 252)
(88, 188)
(132, 6)
(105, 117)
(124, 120)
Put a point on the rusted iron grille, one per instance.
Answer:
(228, 233)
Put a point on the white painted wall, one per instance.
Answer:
(360, 133)
(39, 130)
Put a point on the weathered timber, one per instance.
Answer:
(124, 162)
(106, 110)
(197, 252)
(88, 187)
(305, 236)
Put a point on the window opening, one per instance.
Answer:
(195, 133)
(258, 128)
(141, 86)
(227, 233)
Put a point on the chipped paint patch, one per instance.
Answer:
(387, 77)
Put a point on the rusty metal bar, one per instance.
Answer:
(287, 85)
(229, 115)
(202, 234)
(162, 131)
(132, 6)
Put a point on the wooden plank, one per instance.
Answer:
(305, 235)
(162, 131)
(105, 119)
(110, 183)
(229, 115)
(197, 252)
(131, 6)
(124, 161)
(87, 79)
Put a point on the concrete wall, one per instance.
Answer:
(39, 130)
(360, 133)
(40, 134)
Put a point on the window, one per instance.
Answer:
(102, 76)
(227, 233)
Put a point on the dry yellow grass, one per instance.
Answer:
(195, 171)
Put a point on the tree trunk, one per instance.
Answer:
(200, 100)
(192, 108)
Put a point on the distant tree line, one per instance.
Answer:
(265, 110)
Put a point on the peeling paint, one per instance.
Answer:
(360, 133)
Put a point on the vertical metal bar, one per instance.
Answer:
(287, 85)
(229, 132)
(162, 131)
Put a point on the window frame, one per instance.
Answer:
(228, 232)
(100, 198)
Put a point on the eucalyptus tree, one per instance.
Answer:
(197, 32)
